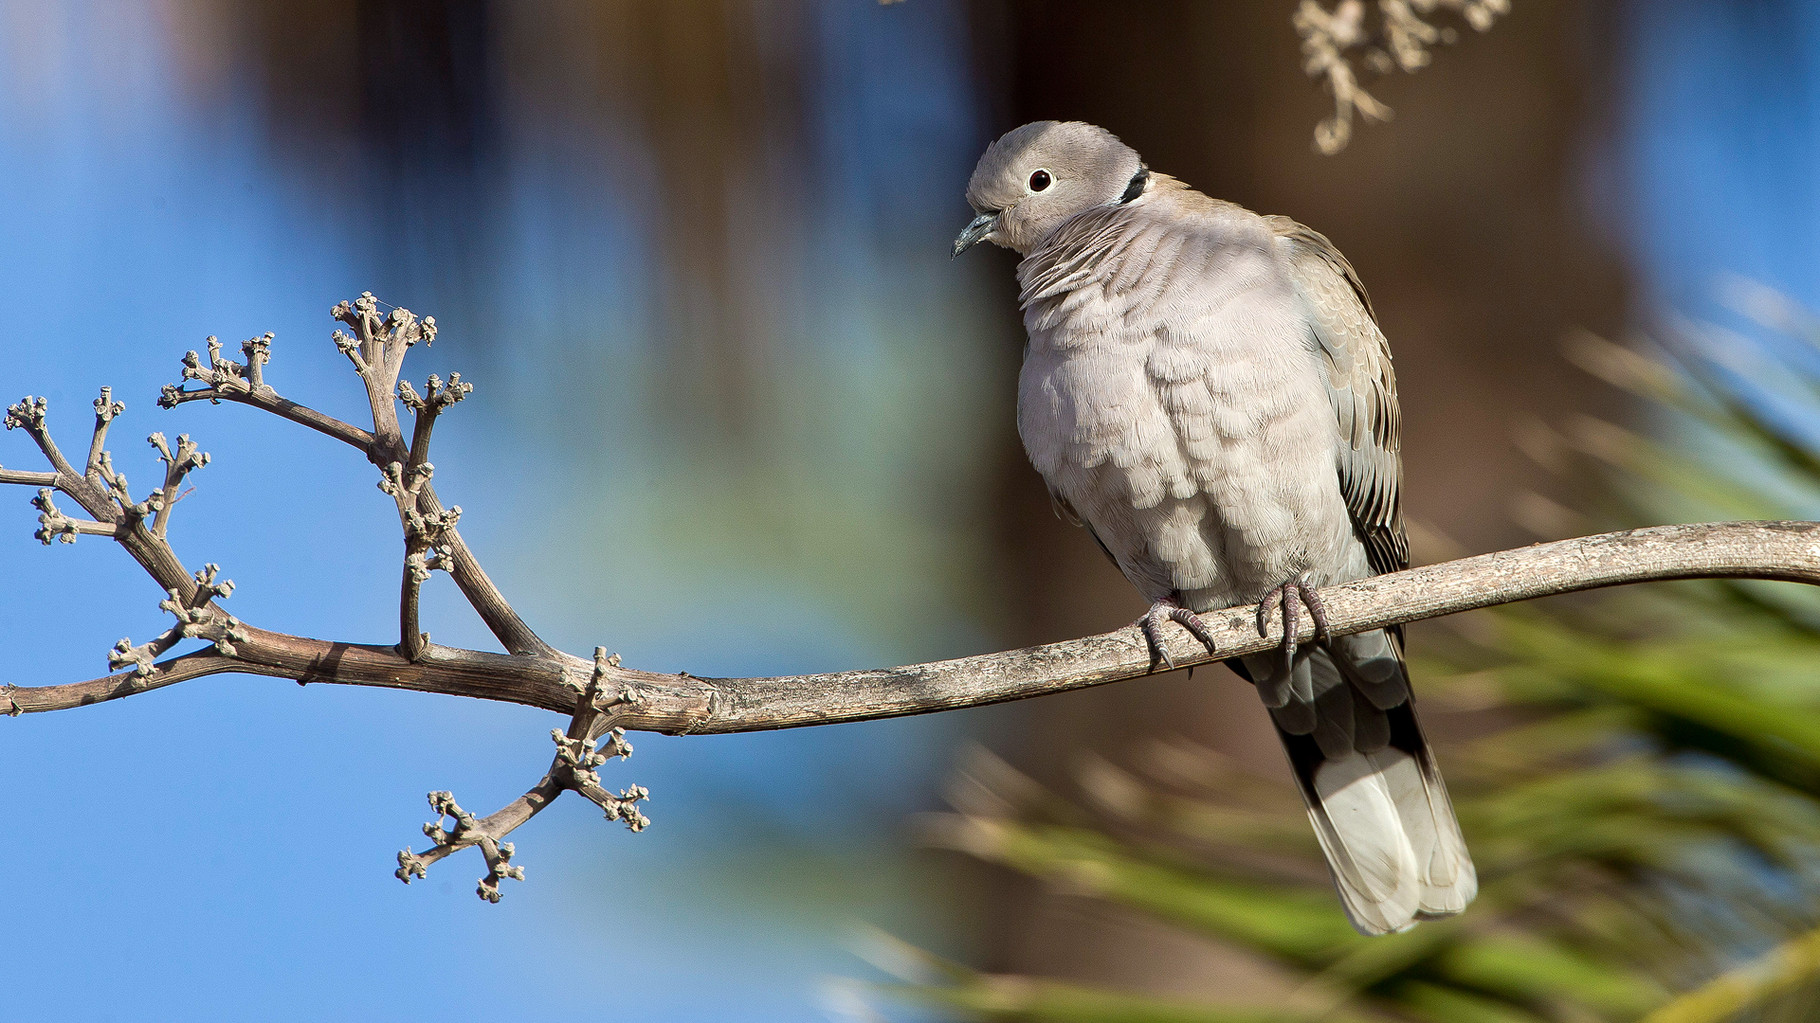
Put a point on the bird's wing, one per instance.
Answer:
(1361, 386)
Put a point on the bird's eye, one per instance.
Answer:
(1040, 180)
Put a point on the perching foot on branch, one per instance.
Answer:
(1152, 627)
(1283, 600)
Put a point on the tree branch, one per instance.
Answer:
(684, 703)
(604, 699)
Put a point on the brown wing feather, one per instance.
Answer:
(1361, 386)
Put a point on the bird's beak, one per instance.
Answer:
(982, 225)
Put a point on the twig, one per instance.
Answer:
(230, 381)
(54, 525)
(573, 769)
(437, 396)
(197, 618)
(176, 465)
(27, 478)
(106, 408)
(377, 351)
(422, 535)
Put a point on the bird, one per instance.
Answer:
(1207, 391)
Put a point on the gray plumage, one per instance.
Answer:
(1207, 391)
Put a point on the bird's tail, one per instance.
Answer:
(1347, 719)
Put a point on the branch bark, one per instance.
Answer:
(683, 703)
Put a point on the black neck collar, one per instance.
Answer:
(1136, 187)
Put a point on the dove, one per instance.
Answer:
(1206, 390)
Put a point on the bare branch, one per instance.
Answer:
(124, 683)
(421, 551)
(437, 396)
(258, 351)
(28, 414)
(197, 618)
(230, 381)
(417, 567)
(1753, 550)
(105, 496)
(423, 534)
(376, 348)
(470, 830)
(573, 769)
(29, 479)
(54, 525)
(176, 465)
(684, 703)
(534, 682)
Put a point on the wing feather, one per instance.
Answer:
(1362, 387)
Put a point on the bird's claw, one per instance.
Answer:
(1280, 598)
(1152, 627)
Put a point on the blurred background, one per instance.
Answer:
(737, 413)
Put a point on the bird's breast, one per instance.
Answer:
(1193, 436)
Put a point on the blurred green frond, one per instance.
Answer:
(1025, 998)
(1642, 794)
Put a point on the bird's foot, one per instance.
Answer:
(1283, 600)
(1152, 627)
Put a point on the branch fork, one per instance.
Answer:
(130, 511)
(468, 830)
(197, 618)
(177, 464)
(377, 349)
(54, 525)
(224, 376)
(574, 769)
(436, 398)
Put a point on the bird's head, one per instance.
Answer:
(1036, 177)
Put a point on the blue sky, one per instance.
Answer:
(1719, 160)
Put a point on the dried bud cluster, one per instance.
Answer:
(1401, 38)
